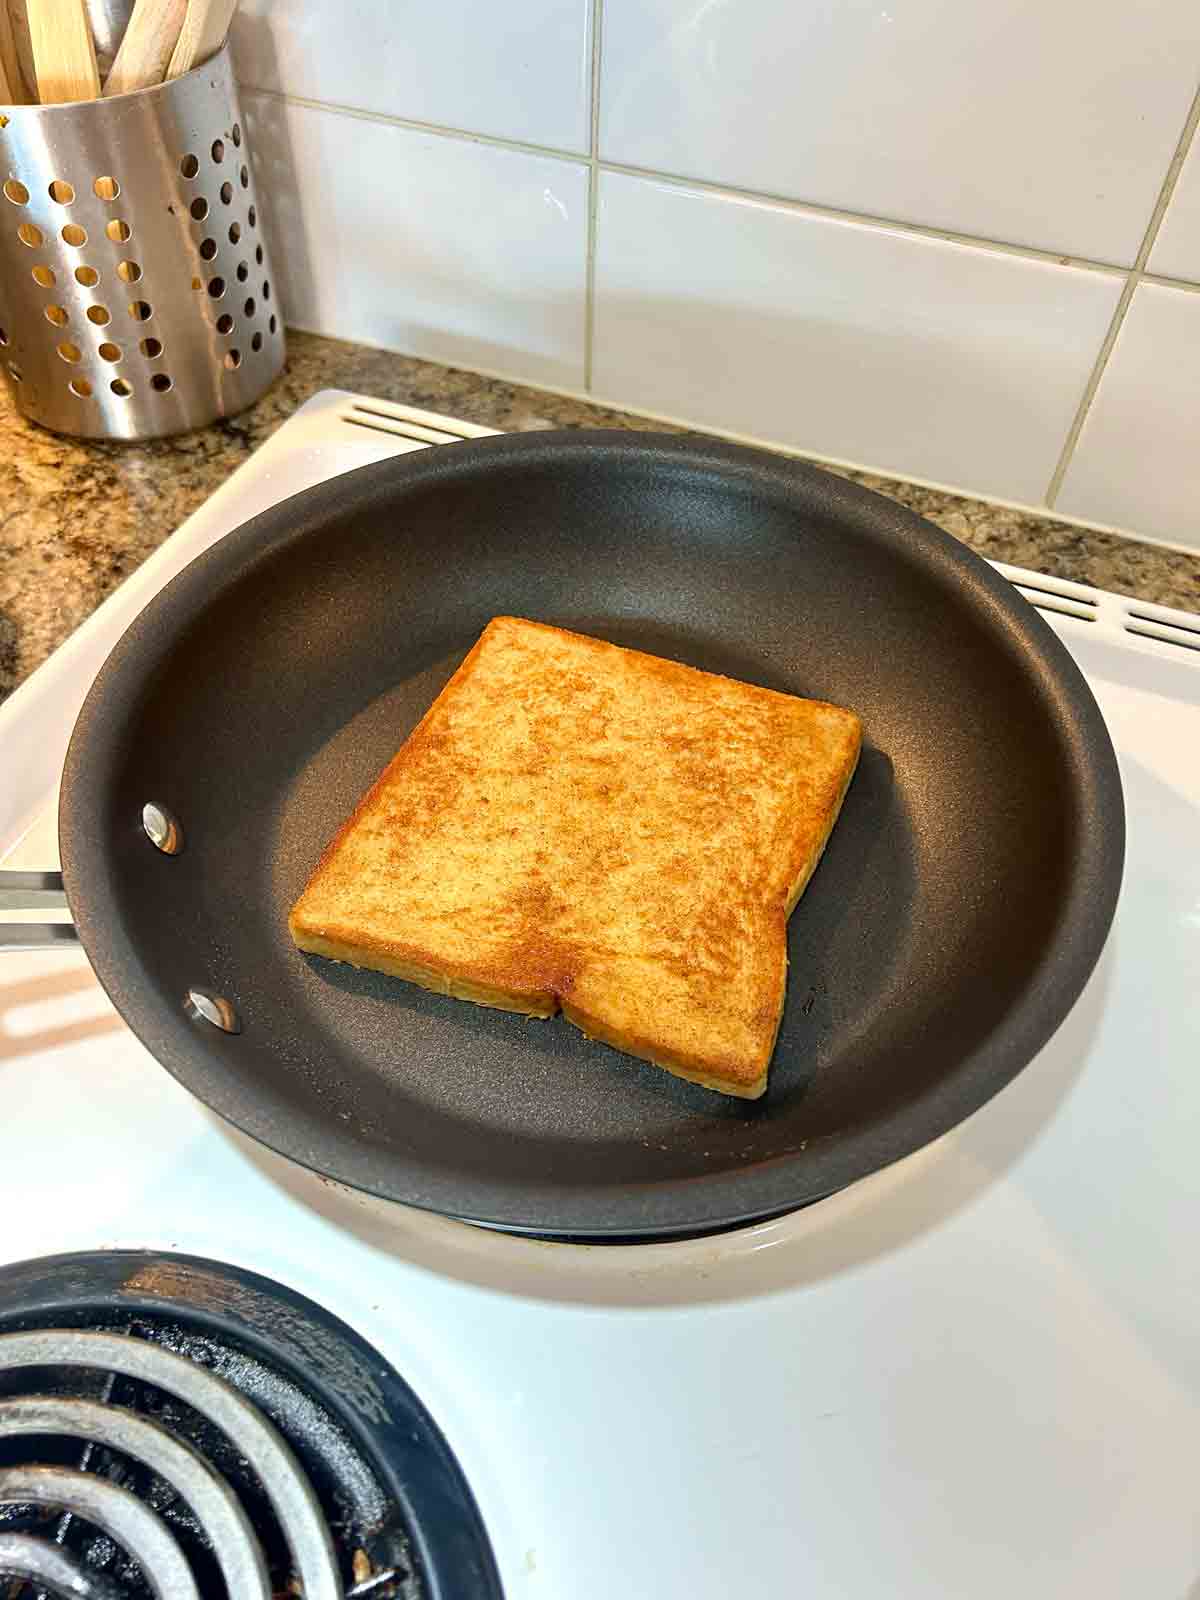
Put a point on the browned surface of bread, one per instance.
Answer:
(581, 827)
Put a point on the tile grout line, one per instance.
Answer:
(589, 289)
(1162, 281)
(895, 225)
(1090, 389)
(494, 141)
(919, 230)
(1137, 274)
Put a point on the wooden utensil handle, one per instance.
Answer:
(145, 50)
(202, 35)
(14, 33)
(64, 57)
(10, 69)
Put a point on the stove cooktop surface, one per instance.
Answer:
(976, 1372)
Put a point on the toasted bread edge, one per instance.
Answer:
(808, 864)
(534, 1003)
(546, 1003)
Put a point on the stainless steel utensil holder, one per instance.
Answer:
(136, 295)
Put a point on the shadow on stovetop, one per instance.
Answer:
(871, 1220)
(52, 1010)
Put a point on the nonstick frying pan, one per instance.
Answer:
(962, 902)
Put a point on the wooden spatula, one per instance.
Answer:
(64, 57)
(202, 35)
(145, 50)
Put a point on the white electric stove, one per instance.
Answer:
(976, 1374)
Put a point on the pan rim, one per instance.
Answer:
(596, 1211)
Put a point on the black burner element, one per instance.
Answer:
(174, 1427)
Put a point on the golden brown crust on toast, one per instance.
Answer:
(577, 826)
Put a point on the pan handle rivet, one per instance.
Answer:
(204, 1007)
(162, 829)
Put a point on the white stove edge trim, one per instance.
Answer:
(51, 697)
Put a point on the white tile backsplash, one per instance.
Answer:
(907, 353)
(445, 248)
(520, 71)
(435, 173)
(1176, 252)
(1138, 460)
(1041, 122)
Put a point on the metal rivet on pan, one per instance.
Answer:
(162, 829)
(204, 1007)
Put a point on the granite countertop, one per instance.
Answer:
(75, 518)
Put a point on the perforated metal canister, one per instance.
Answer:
(136, 295)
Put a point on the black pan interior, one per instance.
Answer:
(961, 903)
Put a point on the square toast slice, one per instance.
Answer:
(579, 827)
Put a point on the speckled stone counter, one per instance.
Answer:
(75, 519)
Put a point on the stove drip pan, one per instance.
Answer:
(176, 1428)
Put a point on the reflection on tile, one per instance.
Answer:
(909, 354)
(519, 72)
(1049, 125)
(436, 246)
(1137, 464)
